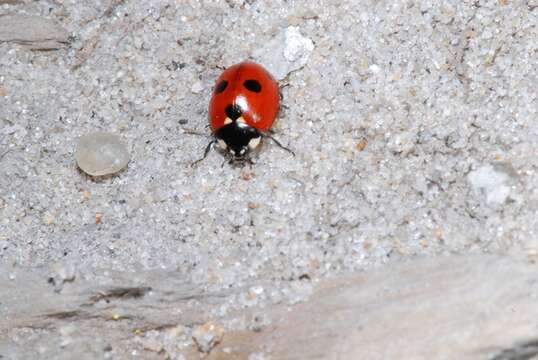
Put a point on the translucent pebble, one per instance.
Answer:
(101, 153)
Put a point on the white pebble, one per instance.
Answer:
(101, 153)
(493, 184)
(298, 47)
(207, 336)
(289, 50)
(375, 69)
(197, 87)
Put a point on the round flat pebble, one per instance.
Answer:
(101, 153)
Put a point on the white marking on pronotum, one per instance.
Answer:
(222, 144)
(227, 121)
(242, 102)
(254, 142)
(241, 120)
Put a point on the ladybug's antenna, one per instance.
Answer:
(206, 151)
(194, 132)
(278, 143)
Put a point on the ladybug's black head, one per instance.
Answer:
(236, 136)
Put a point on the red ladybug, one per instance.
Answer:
(243, 108)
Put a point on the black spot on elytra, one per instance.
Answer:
(253, 85)
(221, 86)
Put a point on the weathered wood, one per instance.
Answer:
(34, 32)
(106, 308)
(472, 307)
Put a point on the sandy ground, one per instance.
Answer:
(413, 123)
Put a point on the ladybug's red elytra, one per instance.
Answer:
(243, 108)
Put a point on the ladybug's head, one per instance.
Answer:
(236, 136)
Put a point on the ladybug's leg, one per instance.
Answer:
(280, 88)
(206, 151)
(267, 135)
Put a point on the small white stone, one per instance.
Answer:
(374, 68)
(490, 182)
(60, 273)
(298, 47)
(197, 87)
(101, 153)
(207, 336)
(289, 50)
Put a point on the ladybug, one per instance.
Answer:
(242, 110)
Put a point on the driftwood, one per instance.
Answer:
(34, 32)
(472, 307)
(104, 309)
(475, 307)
